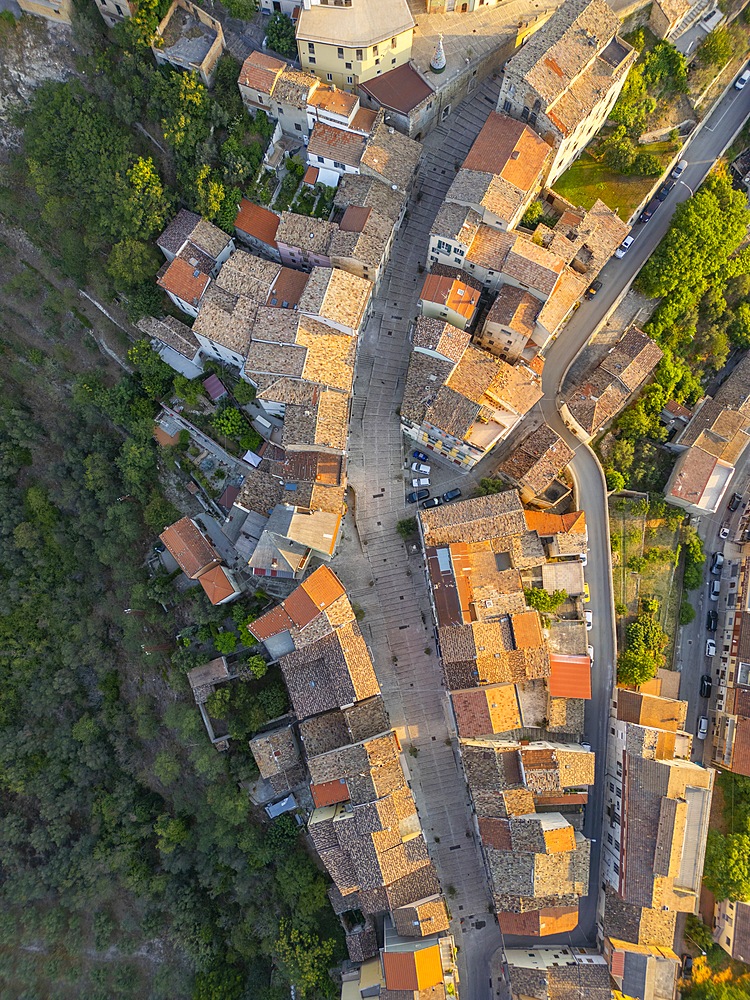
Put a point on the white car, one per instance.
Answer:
(741, 81)
(585, 746)
(421, 468)
(419, 483)
(591, 654)
(702, 727)
(724, 530)
(625, 246)
(589, 619)
(715, 590)
(710, 647)
(584, 557)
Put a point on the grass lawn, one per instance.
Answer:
(633, 533)
(588, 179)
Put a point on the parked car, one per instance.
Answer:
(592, 289)
(741, 82)
(679, 169)
(588, 617)
(625, 246)
(417, 495)
(702, 727)
(724, 530)
(717, 561)
(715, 590)
(420, 456)
(649, 210)
(432, 502)
(590, 650)
(451, 495)
(706, 685)
(586, 593)
(664, 190)
(735, 501)
(710, 647)
(421, 468)
(687, 966)
(417, 484)
(584, 557)
(585, 746)
(712, 621)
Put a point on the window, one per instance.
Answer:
(377, 62)
(609, 838)
(525, 115)
(442, 245)
(329, 77)
(340, 52)
(617, 869)
(393, 43)
(310, 47)
(298, 127)
(611, 786)
(393, 62)
(321, 159)
(359, 54)
(311, 60)
(375, 50)
(348, 65)
(446, 112)
(350, 79)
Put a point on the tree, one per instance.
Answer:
(156, 376)
(229, 422)
(280, 31)
(542, 600)
(717, 48)
(739, 328)
(615, 480)
(645, 164)
(618, 151)
(132, 262)
(407, 527)
(159, 512)
(257, 666)
(244, 392)
(225, 642)
(687, 613)
(726, 871)
(144, 204)
(305, 958)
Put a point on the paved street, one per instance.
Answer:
(388, 582)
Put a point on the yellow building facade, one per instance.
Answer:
(54, 10)
(350, 44)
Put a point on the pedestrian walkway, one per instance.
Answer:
(385, 579)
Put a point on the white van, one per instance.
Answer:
(741, 81)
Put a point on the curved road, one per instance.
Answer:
(717, 131)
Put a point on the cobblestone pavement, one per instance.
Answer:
(386, 577)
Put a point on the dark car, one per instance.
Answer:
(417, 495)
(687, 966)
(712, 621)
(706, 686)
(735, 501)
(451, 495)
(664, 190)
(649, 210)
(432, 502)
(592, 289)
(420, 456)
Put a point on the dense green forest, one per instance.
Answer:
(132, 861)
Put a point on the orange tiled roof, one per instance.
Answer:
(551, 524)
(451, 293)
(328, 793)
(257, 221)
(527, 630)
(413, 970)
(570, 676)
(189, 548)
(183, 280)
(338, 102)
(260, 72)
(510, 149)
(323, 587)
(217, 585)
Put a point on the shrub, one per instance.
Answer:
(542, 600)
(687, 613)
(407, 527)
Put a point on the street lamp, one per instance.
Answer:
(688, 938)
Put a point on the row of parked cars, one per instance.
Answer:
(420, 494)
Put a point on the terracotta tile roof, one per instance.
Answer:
(178, 230)
(422, 918)
(311, 176)
(328, 793)
(533, 266)
(338, 102)
(260, 72)
(651, 710)
(286, 289)
(570, 676)
(363, 121)
(509, 148)
(354, 189)
(539, 923)
(217, 585)
(355, 218)
(391, 156)
(334, 295)
(538, 460)
(413, 970)
(435, 335)
(257, 221)
(336, 144)
(456, 222)
(490, 248)
(481, 517)
(172, 332)
(323, 587)
(183, 280)
(485, 710)
(424, 378)
(566, 293)
(633, 358)
(192, 552)
(515, 308)
(453, 294)
(691, 475)
(295, 87)
(305, 232)
(400, 89)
